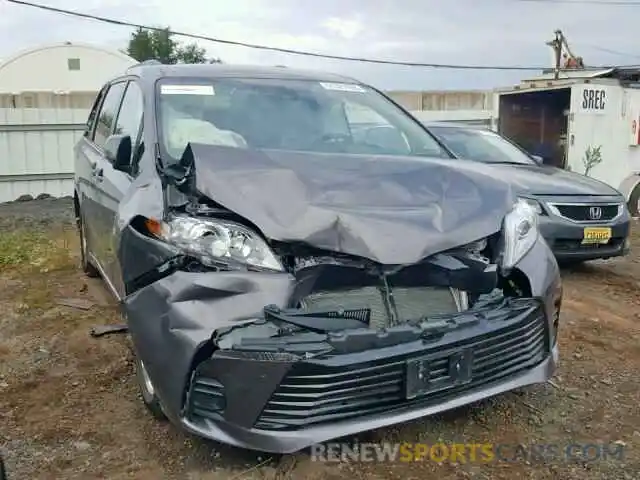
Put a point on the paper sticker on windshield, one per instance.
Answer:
(343, 87)
(187, 90)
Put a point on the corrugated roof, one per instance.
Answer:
(546, 81)
(571, 74)
(613, 72)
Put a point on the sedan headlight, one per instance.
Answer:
(534, 204)
(519, 233)
(215, 242)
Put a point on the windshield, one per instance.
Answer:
(482, 145)
(287, 115)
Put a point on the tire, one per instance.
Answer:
(634, 201)
(87, 267)
(149, 398)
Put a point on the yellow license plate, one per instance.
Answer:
(596, 235)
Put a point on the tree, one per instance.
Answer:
(141, 45)
(192, 53)
(164, 47)
(145, 44)
(592, 158)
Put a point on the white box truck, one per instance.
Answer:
(588, 122)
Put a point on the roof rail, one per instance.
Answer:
(146, 62)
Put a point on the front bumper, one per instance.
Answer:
(277, 402)
(173, 321)
(292, 441)
(565, 238)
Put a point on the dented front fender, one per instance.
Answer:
(173, 319)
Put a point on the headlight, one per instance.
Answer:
(534, 204)
(519, 233)
(215, 242)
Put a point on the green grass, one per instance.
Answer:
(37, 251)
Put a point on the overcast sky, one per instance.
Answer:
(497, 32)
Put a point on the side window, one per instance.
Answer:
(108, 112)
(129, 121)
(130, 116)
(91, 121)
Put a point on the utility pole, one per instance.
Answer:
(556, 45)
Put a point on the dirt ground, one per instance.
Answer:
(69, 407)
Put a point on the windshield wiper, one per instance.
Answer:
(505, 162)
(320, 321)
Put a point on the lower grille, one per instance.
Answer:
(564, 245)
(409, 303)
(587, 213)
(315, 393)
(206, 397)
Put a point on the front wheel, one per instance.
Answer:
(147, 390)
(87, 267)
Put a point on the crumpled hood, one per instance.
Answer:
(392, 210)
(543, 180)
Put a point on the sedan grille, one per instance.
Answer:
(319, 392)
(587, 213)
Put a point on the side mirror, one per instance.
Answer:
(117, 149)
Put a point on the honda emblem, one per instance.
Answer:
(595, 213)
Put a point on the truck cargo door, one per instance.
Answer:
(595, 132)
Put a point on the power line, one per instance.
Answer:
(607, 50)
(264, 47)
(619, 3)
(284, 50)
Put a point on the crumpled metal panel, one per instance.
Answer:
(392, 210)
(173, 318)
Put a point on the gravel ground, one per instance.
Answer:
(37, 214)
(69, 407)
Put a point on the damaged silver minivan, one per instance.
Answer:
(290, 275)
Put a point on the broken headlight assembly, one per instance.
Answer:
(519, 234)
(216, 242)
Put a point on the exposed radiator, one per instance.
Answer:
(404, 303)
